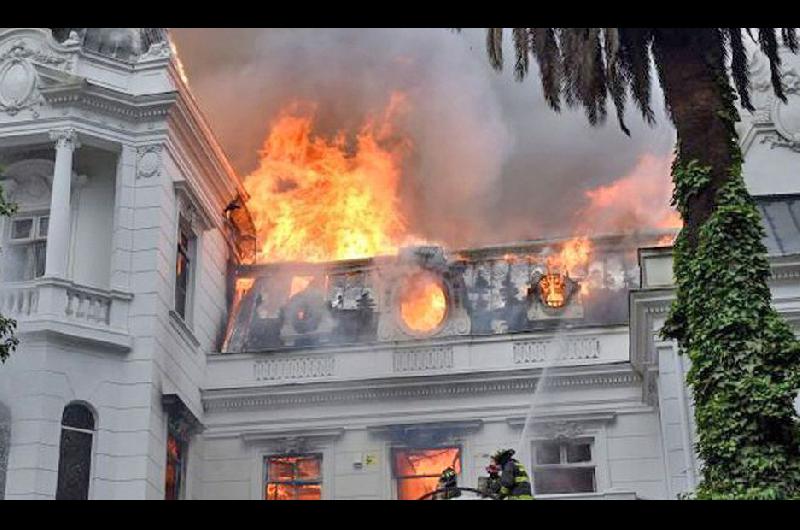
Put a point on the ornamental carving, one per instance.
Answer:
(423, 359)
(539, 351)
(148, 161)
(559, 430)
(293, 368)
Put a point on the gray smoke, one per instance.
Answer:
(491, 162)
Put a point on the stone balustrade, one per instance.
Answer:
(64, 307)
(576, 348)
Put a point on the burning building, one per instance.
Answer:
(189, 334)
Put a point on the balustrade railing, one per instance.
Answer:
(55, 299)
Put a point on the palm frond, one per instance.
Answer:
(634, 61)
(544, 46)
(769, 45)
(789, 36)
(522, 48)
(494, 47)
(739, 72)
(615, 81)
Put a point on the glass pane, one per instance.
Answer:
(565, 480)
(74, 463)
(39, 258)
(308, 492)
(426, 462)
(281, 469)
(78, 416)
(411, 489)
(43, 225)
(548, 453)
(21, 228)
(579, 453)
(308, 468)
(280, 492)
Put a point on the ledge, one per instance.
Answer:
(183, 329)
(572, 417)
(308, 434)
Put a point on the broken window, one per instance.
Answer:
(294, 478)
(175, 468)
(184, 268)
(417, 470)
(563, 467)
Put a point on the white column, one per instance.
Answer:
(58, 227)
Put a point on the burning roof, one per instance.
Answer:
(424, 293)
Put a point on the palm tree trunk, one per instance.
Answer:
(692, 73)
(745, 361)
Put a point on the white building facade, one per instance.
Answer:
(155, 362)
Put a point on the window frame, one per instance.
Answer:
(34, 238)
(393, 468)
(563, 463)
(318, 481)
(183, 447)
(93, 445)
(189, 252)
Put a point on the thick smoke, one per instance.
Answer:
(490, 164)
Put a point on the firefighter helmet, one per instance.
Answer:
(503, 455)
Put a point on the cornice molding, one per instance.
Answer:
(433, 387)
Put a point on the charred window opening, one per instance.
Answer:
(175, 467)
(423, 304)
(294, 478)
(563, 467)
(417, 471)
(184, 268)
(552, 288)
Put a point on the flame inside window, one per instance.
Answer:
(422, 302)
(294, 478)
(418, 470)
(552, 288)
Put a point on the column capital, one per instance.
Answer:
(65, 138)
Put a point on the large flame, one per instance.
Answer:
(422, 302)
(312, 199)
(572, 261)
(635, 201)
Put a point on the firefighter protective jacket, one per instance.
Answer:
(514, 481)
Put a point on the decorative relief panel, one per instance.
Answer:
(148, 161)
(18, 77)
(293, 368)
(422, 359)
(559, 430)
(539, 351)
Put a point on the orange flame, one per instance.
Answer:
(422, 303)
(178, 63)
(638, 200)
(314, 200)
(299, 284)
(571, 261)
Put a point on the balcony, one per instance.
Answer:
(63, 308)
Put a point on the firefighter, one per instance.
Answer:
(493, 482)
(449, 483)
(514, 481)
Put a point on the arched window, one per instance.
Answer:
(5, 445)
(75, 455)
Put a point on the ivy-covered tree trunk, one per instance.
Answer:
(745, 361)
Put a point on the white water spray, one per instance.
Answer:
(522, 447)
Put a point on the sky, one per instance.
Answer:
(491, 163)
